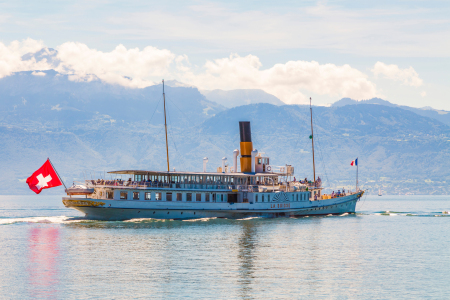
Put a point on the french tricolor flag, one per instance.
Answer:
(354, 162)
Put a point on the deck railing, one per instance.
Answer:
(292, 187)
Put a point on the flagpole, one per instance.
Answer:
(312, 142)
(357, 167)
(57, 173)
(165, 125)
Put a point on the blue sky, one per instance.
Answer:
(397, 50)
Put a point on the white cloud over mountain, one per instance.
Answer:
(408, 76)
(286, 81)
(128, 67)
(11, 57)
(137, 68)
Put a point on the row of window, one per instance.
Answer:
(294, 197)
(158, 196)
(262, 198)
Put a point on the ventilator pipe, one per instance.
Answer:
(223, 164)
(235, 155)
(205, 160)
(254, 153)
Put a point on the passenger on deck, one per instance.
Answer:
(332, 194)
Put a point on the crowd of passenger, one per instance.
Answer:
(338, 194)
(333, 194)
(129, 182)
(142, 183)
(156, 183)
(317, 183)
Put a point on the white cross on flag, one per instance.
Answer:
(44, 178)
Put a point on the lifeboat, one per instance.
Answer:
(79, 190)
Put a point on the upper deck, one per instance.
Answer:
(258, 182)
(201, 177)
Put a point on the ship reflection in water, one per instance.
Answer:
(246, 257)
(43, 262)
(215, 258)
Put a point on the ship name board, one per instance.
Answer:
(280, 205)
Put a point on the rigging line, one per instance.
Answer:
(170, 102)
(183, 113)
(336, 161)
(318, 136)
(333, 160)
(179, 158)
(323, 162)
(299, 135)
(170, 130)
(156, 108)
(154, 138)
(320, 153)
(190, 122)
(333, 165)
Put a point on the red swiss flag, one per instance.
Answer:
(44, 178)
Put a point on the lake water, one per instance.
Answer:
(394, 247)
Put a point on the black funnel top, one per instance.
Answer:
(245, 131)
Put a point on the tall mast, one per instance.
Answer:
(165, 125)
(312, 140)
(357, 164)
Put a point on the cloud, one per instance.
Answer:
(423, 94)
(408, 76)
(11, 57)
(127, 67)
(36, 73)
(286, 81)
(56, 107)
(137, 68)
(387, 30)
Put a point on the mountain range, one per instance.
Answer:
(427, 111)
(89, 128)
(240, 97)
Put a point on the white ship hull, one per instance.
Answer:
(109, 210)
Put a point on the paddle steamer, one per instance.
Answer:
(254, 188)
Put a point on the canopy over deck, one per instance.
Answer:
(174, 173)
